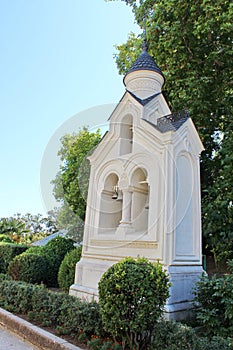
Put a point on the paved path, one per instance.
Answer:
(9, 341)
(11, 325)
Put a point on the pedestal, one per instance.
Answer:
(180, 303)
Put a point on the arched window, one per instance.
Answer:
(110, 207)
(126, 135)
(140, 200)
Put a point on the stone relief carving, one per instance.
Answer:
(143, 84)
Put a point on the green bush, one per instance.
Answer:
(66, 271)
(170, 335)
(29, 268)
(132, 295)
(5, 239)
(7, 253)
(55, 251)
(214, 305)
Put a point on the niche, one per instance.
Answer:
(110, 208)
(126, 135)
(140, 200)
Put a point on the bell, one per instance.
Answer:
(119, 196)
(115, 194)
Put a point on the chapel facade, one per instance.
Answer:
(144, 191)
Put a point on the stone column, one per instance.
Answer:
(126, 207)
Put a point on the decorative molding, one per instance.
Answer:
(123, 243)
(138, 190)
(143, 84)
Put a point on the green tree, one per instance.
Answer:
(191, 41)
(218, 204)
(14, 228)
(71, 183)
(28, 228)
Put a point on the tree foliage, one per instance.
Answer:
(13, 227)
(27, 228)
(191, 41)
(71, 183)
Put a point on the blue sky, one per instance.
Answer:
(56, 62)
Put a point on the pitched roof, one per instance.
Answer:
(171, 122)
(45, 240)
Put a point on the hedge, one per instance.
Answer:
(65, 313)
(71, 316)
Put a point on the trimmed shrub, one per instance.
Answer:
(214, 305)
(132, 295)
(7, 253)
(16, 296)
(29, 268)
(5, 239)
(66, 271)
(55, 251)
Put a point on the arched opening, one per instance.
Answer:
(140, 200)
(110, 206)
(126, 135)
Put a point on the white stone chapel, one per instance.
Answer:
(144, 191)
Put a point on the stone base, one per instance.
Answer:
(87, 276)
(84, 293)
(183, 279)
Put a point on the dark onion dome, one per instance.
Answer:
(145, 62)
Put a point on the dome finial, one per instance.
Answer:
(144, 44)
